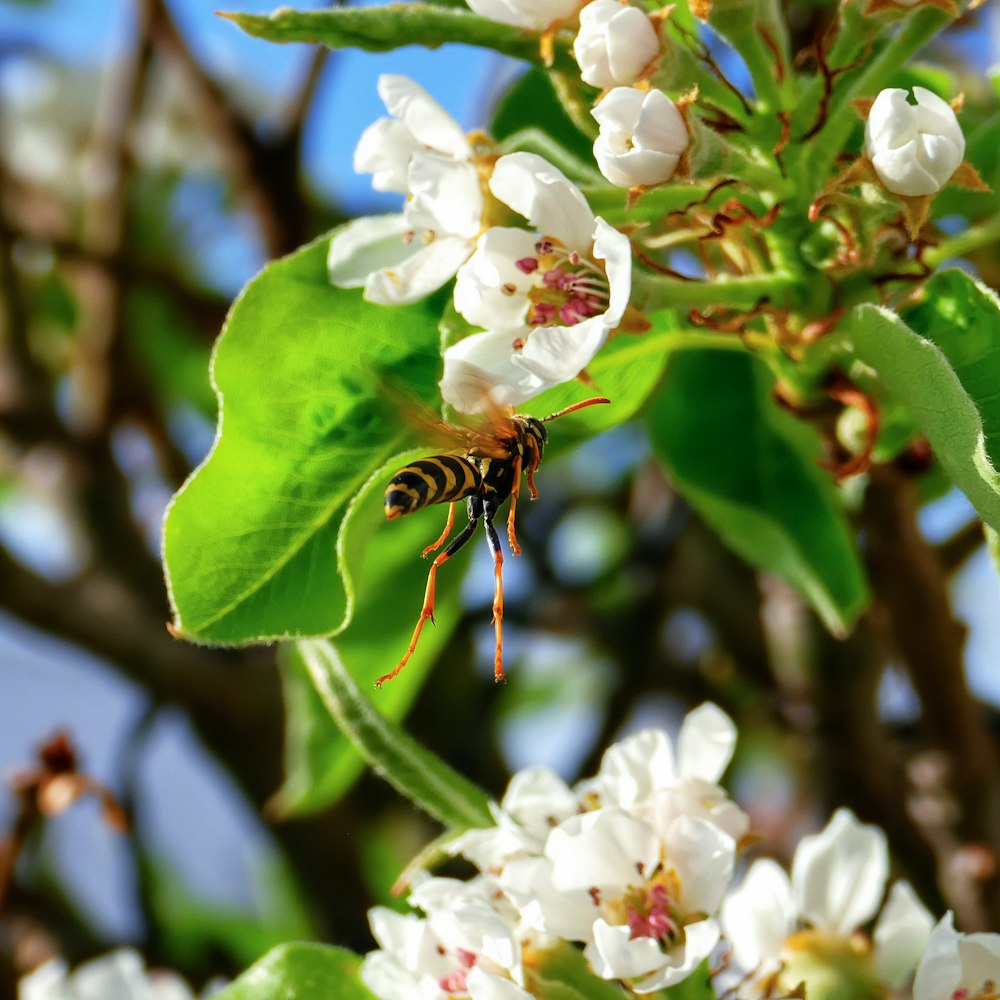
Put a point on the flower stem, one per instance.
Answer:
(659, 291)
(974, 238)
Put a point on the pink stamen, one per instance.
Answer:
(656, 921)
(575, 311)
(527, 265)
(544, 246)
(555, 278)
(455, 982)
(542, 313)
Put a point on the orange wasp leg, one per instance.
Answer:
(532, 465)
(427, 611)
(449, 524)
(494, 542)
(514, 494)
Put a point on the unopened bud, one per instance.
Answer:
(914, 149)
(642, 137)
(615, 43)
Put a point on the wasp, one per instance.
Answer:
(485, 469)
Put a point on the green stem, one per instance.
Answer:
(658, 291)
(534, 140)
(915, 33)
(412, 770)
(973, 238)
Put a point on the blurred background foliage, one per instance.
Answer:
(151, 159)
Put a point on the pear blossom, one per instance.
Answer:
(615, 43)
(422, 152)
(785, 930)
(535, 15)
(464, 946)
(958, 966)
(640, 897)
(547, 298)
(120, 975)
(914, 149)
(642, 137)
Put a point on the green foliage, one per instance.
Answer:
(320, 762)
(380, 29)
(942, 360)
(414, 771)
(750, 470)
(251, 542)
(301, 972)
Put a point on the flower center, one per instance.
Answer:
(567, 288)
(650, 909)
(988, 991)
(457, 980)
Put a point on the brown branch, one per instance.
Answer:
(912, 590)
(955, 551)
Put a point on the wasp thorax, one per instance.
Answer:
(567, 287)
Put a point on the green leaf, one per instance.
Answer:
(381, 29)
(251, 541)
(320, 762)
(750, 470)
(942, 360)
(564, 974)
(301, 971)
(532, 103)
(409, 767)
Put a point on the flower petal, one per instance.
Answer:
(384, 150)
(615, 249)
(540, 192)
(484, 363)
(940, 971)
(538, 798)
(446, 196)
(759, 915)
(491, 291)
(557, 354)
(632, 769)
(839, 875)
(706, 743)
(429, 123)
(615, 954)
(699, 941)
(901, 934)
(603, 849)
(703, 856)
(424, 271)
(366, 245)
(483, 986)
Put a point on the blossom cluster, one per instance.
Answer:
(545, 279)
(634, 868)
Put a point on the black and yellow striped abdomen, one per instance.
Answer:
(439, 479)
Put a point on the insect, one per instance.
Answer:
(485, 469)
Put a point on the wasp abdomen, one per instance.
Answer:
(439, 479)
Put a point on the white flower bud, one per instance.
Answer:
(914, 148)
(642, 137)
(615, 43)
(536, 15)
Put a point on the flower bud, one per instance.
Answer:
(615, 43)
(914, 149)
(642, 137)
(535, 15)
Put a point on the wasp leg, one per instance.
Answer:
(427, 611)
(536, 457)
(449, 524)
(514, 493)
(494, 543)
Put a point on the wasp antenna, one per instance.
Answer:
(575, 406)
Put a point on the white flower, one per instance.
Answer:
(642, 137)
(809, 922)
(914, 148)
(422, 152)
(639, 897)
(547, 298)
(615, 43)
(464, 946)
(536, 15)
(120, 975)
(958, 965)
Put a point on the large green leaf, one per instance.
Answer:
(751, 471)
(251, 541)
(409, 767)
(320, 762)
(382, 28)
(942, 360)
(301, 972)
